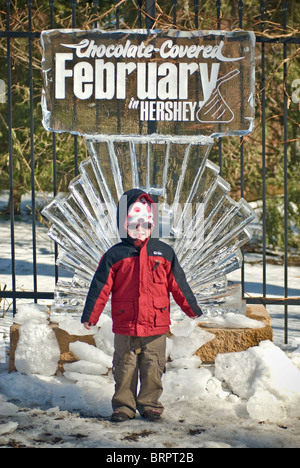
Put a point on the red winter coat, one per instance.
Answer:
(140, 280)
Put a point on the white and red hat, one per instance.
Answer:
(140, 212)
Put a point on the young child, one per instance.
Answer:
(140, 272)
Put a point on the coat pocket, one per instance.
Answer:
(159, 273)
(122, 311)
(162, 311)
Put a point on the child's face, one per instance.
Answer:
(140, 231)
(139, 222)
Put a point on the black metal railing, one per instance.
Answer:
(149, 15)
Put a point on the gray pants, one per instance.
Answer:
(143, 357)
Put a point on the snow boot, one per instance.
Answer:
(119, 416)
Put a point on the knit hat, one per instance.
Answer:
(140, 212)
(125, 206)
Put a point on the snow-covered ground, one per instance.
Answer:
(246, 400)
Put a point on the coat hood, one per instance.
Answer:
(126, 201)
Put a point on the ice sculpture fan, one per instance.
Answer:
(205, 226)
(149, 103)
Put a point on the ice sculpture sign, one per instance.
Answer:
(149, 104)
(142, 82)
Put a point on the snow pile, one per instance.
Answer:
(231, 320)
(90, 353)
(34, 313)
(93, 362)
(296, 353)
(6, 410)
(185, 379)
(265, 377)
(186, 340)
(71, 326)
(7, 428)
(104, 338)
(37, 350)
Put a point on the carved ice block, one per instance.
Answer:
(149, 104)
(205, 226)
(141, 82)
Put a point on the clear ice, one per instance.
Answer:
(136, 82)
(119, 90)
(205, 226)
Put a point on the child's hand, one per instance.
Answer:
(88, 325)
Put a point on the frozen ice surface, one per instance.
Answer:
(214, 387)
(37, 349)
(87, 352)
(8, 409)
(185, 347)
(231, 320)
(184, 327)
(104, 338)
(8, 428)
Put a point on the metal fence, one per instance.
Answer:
(150, 14)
